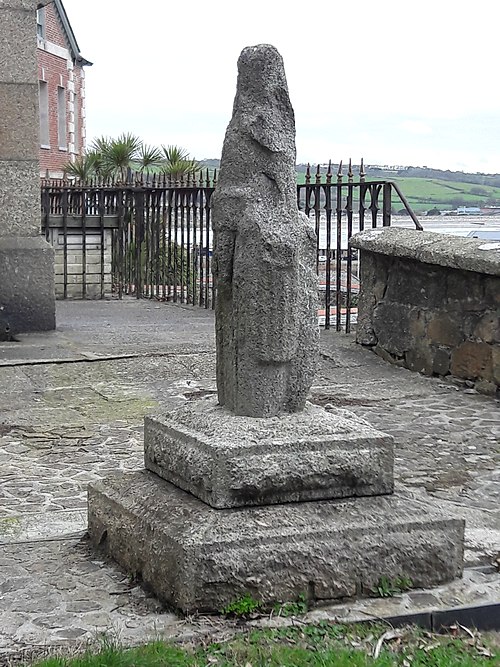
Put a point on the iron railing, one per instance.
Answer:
(155, 236)
(341, 206)
(152, 238)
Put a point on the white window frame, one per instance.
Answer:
(40, 22)
(43, 91)
(62, 123)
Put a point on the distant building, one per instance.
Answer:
(61, 78)
(468, 210)
(486, 234)
(490, 210)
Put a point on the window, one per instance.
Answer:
(76, 124)
(40, 22)
(61, 118)
(44, 114)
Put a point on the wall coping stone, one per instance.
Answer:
(468, 254)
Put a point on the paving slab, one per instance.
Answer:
(93, 330)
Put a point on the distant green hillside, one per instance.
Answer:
(427, 193)
(424, 194)
(424, 188)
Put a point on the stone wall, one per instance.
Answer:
(431, 302)
(97, 253)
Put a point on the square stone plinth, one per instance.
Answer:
(229, 461)
(197, 558)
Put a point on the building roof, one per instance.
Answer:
(68, 31)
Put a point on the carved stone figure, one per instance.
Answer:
(264, 251)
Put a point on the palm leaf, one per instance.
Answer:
(174, 154)
(149, 156)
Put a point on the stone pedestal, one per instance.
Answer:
(229, 461)
(197, 558)
(27, 299)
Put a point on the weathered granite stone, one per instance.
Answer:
(27, 295)
(264, 251)
(18, 39)
(31, 5)
(198, 558)
(27, 299)
(19, 122)
(20, 198)
(201, 550)
(233, 461)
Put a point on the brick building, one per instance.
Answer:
(61, 79)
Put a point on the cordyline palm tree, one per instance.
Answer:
(79, 169)
(118, 155)
(107, 157)
(84, 166)
(149, 157)
(177, 163)
(110, 157)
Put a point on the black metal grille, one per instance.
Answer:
(152, 238)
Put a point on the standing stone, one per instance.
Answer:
(264, 251)
(27, 301)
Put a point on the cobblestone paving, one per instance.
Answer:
(447, 441)
(63, 425)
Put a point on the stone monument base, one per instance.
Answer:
(231, 461)
(196, 558)
(27, 296)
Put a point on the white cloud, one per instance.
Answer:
(380, 73)
(417, 127)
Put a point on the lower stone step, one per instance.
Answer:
(197, 558)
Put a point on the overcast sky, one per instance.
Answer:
(410, 83)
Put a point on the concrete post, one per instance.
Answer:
(27, 301)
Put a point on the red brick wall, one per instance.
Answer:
(54, 70)
(53, 29)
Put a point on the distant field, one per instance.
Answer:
(424, 194)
